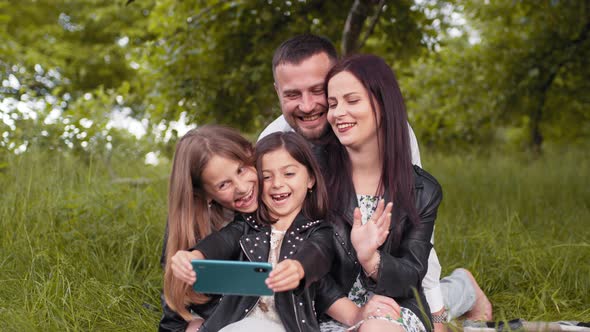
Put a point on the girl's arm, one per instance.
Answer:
(225, 243)
(317, 254)
(310, 263)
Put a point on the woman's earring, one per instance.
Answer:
(310, 190)
(209, 204)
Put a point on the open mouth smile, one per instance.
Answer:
(245, 200)
(344, 126)
(311, 117)
(280, 197)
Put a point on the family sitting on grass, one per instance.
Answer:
(332, 195)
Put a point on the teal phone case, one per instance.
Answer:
(231, 277)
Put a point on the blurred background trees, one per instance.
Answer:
(115, 78)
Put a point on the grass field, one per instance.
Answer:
(78, 252)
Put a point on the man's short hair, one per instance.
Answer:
(297, 49)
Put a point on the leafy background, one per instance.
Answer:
(92, 90)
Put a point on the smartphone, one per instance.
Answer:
(231, 277)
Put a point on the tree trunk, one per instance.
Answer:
(358, 14)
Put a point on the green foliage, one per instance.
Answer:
(216, 56)
(77, 61)
(529, 70)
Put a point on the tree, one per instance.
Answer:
(215, 56)
(529, 70)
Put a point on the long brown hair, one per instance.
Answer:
(315, 205)
(190, 218)
(397, 177)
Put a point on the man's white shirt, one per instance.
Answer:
(431, 282)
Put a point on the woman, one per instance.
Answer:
(213, 172)
(369, 163)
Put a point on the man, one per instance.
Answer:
(300, 65)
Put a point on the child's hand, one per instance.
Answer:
(181, 266)
(285, 276)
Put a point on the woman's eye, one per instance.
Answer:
(332, 106)
(290, 174)
(223, 186)
(354, 101)
(240, 170)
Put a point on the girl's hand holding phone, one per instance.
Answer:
(285, 276)
(181, 266)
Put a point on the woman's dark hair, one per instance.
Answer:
(315, 205)
(397, 178)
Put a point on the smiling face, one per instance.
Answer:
(286, 182)
(350, 113)
(300, 88)
(231, 184)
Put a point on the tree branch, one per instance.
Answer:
(354, 25)
(373, 23)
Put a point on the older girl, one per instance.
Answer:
(213, 172)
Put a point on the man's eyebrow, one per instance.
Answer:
(290, 91)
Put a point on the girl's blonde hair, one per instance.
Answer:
(190, 217)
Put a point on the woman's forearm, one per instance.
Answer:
(344, 311)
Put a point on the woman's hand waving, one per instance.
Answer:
(367, 238)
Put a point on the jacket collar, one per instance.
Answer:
(256, 245)
(299, 225)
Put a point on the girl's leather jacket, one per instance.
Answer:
(403, 263)
(245, 239)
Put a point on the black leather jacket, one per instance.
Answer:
(307, 241)
(403, 265)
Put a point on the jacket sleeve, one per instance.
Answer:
(316, 255)
(223, 244)
(171, 321)
(327, 292)
(402, 271)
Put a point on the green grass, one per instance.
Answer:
(522, 226)
(78, 252)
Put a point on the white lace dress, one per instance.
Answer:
(264, 316)
(359, 295)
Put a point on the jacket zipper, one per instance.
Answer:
(257, 300)
(295, 311)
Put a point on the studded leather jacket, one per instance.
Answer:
(403, 263)
(245, 239)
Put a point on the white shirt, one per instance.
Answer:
(431, 282)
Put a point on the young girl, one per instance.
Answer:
(286, 231)
(213, 172)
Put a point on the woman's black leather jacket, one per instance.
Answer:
(403, 263)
